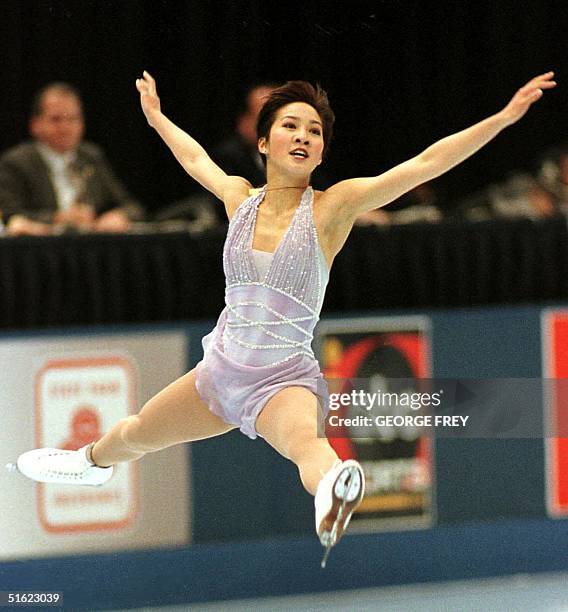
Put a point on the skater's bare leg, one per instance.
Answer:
(289, 423)
(177, 414)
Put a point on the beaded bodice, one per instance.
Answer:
(271, 319)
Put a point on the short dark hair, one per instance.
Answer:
(58, 86)
(296, 91)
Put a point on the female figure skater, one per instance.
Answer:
(258, 372)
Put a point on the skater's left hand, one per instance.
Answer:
(526, 96)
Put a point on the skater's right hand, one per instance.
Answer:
(148, 97)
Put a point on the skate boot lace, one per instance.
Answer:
(66, 463)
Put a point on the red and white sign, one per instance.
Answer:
(555, 363)
(77, 401)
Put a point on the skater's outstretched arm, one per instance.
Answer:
(190, 154)
(359, 195)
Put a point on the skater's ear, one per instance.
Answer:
(263, 145)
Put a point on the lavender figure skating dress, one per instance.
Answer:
(262, 341)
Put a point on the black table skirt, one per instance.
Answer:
(109, 279)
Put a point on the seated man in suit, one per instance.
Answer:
(57, 180)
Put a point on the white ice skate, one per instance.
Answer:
(53, 465)
(339, 492)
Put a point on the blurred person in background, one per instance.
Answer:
(238, 156)
(239, 152)
(521, 195)
(553, 176)
(419, 205)
(58, 181)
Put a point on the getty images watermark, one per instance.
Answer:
(386, 408)
(376, 401)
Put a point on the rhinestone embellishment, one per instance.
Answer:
(294, 274)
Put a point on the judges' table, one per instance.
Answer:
(170, 276)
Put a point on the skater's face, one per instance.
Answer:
(296, 139)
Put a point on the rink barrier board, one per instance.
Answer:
(253, 528)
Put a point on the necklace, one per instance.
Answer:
(279, 188)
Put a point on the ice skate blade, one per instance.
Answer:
(349, 496)
(325, 556)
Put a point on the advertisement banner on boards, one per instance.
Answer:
(64, 391)
(378, 352)
(555, 366)
(77, 400)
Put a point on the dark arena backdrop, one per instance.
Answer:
(399, 75)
